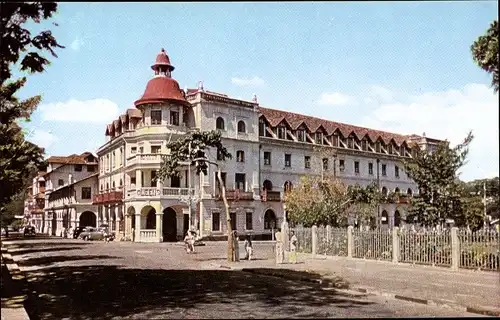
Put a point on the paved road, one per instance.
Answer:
(75, 279)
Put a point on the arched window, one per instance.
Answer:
(288, 186)
(409, 192)
(113, 184)
(267, 185)
(121, 182)
(385, 217)
(397, 218)
(269, 220)
(107, 186)
(384, 191)
(241, 126)
(219, 123)
(240, 156)
(396, 190)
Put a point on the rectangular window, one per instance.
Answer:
(350, 143)
(335, 140)
(155, 117)
(288, 160)
(356, 167)
(248, 221)
(364, 145)
(384, 169)
(301, 135)
(78, 167)
(341, 165)
(267, 158)
(319, 137)
(141, 150)
(174, 118)
(153, 178)
(307, 162)
(370, 168)
(233, 221)
(90, 168)
(239, 181)
(281, 132)
(325, 164)
(240, 156)
(60, 182)
(132, 180)
(133, 150)
(396, 171)
(262, 128)
(86, 192)
(215, 221)
(155, 149)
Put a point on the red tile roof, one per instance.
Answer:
(294, 121)
(71, 159)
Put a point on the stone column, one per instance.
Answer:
(349, 241)
(137, 226)
(395, 244)
(314, 239)
(455, 249)
(117, 221)
(138, 179)
(159, 221)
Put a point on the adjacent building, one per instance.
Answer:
(271, 150)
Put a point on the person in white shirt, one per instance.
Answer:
(293, 248)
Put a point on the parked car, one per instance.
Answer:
(77, 232)
(90, 233)
(29, 231)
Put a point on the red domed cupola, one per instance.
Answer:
(162, 87)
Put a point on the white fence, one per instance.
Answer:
(452, 248)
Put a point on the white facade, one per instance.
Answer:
(264, 157)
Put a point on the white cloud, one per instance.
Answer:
(42, 138)
(335, 99)
(96, 111)
(251, 82)
(381, 93)
(77, 44)
(448, 115)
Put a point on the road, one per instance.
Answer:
(88, 280)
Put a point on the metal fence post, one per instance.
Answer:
(349, 241)
(455, 249)
(314, 238)
(395, 245)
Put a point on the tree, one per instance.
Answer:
(485, 53)
(18, 156)
(192, 148)
(364, 202)
(316, 201)
(436, 173)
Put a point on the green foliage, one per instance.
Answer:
(441, 194)
(364, 201)
(19, 157)
(485, 53)
(179, 152)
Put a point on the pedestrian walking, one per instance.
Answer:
(293, 248)
(248, 248)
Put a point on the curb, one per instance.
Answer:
(14, 271)
(482, 310)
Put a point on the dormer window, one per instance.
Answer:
(364, 145)
(335, 140)
(240, 156)
(155, 117)
(319, 137)
(262, 127)
(350, 143)
(219, 123)
(281, 132)
(377, 146)
(241, 126)
(390, 148)
(301, 135)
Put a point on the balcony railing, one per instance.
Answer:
(270, 196)
(154, 192)
(147, 235)
(108, 197)
(235, 195)
(145, 158)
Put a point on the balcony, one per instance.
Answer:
(235, 195)
(154, 192)
(403, 199)
(109, 197)
(145, 158)
(270, 196)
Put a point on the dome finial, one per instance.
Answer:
(163, 50)
(254, 99)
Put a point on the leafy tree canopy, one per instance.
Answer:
(485, 53)
(18, 46)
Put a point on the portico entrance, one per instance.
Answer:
(169, 225)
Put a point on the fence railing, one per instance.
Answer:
(453, 248)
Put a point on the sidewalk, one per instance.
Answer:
(12, 296)
(474, 289)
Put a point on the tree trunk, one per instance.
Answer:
(230, 248)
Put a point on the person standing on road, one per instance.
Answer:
(248, 248)
(293, 248)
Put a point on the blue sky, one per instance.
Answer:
(404, 67)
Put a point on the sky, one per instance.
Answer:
(403, 67)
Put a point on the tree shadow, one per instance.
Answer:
(21, 245)
(105, 292)
(43, 261)
(42, 249)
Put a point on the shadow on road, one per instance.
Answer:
(43, 261)
(105, 292)
(44, 249)
(32, 245)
